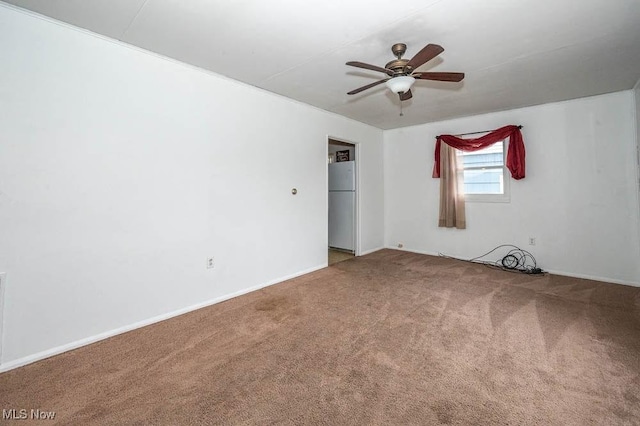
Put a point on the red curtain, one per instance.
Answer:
(515, 152)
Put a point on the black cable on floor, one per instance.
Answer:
(516, 260)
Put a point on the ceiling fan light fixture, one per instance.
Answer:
(400, 84)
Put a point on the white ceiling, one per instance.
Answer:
(514, 52)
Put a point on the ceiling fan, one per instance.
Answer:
(402, 72)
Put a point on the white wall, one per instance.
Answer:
(579, 199)
(636, 92)
(121, 172)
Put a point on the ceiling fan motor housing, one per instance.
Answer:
(399, 66)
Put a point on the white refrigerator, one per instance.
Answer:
(342, 205)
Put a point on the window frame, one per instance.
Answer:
(506, 180)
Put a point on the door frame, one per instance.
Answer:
(358, 161)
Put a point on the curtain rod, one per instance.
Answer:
(477, 133)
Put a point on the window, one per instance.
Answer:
(484, 174)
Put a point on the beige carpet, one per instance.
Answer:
(389, 338)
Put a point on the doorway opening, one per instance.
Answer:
(343, 200)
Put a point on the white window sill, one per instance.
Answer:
(487, 198)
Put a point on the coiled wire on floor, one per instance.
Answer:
(516, 260)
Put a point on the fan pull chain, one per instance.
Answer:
(401, 114)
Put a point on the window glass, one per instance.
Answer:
(483, 173)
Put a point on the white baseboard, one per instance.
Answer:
(95, 338)
(593, 278)
(554, 272)
(429, 253)
(371, 251)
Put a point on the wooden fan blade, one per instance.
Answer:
(439, 76)
(427, 53)
(406, 95)
(369, 67)
(368, 86)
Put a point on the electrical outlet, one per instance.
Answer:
(532, 241)
(210, 263)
